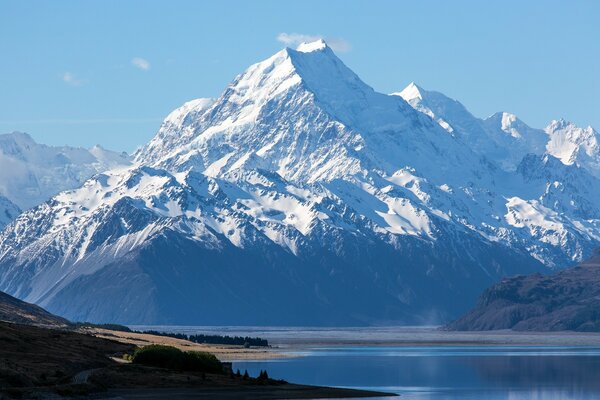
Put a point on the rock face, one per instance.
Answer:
(301, 196)
(18, 312)
(567, 300)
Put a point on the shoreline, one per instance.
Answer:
(287, 391)
(285, 340)
(295, 342)
(225, 353)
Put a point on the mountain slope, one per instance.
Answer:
(567, 300)
(31, 173)
(8, 211)
(300, 196)
(19, 312)
(502, 138)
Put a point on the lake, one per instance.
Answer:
(426, 363)
(446, 372)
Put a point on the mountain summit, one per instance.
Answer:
(301, 196)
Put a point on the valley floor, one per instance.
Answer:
(223, 352)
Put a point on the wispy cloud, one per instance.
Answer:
(140, 63)
(294, 39)
(71, 79)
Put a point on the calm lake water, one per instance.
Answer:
(521, 369)
(445, 372)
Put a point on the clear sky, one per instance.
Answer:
(107, 72)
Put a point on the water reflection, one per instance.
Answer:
(448, 373)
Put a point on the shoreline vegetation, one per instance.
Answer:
(41, 362)
(245, 341)
(226, 353)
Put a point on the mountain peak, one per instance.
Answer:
(309, 47)
(16, 136)
(506, 121)
(411, 92)
(559, 124)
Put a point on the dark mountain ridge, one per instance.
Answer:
(567, 300)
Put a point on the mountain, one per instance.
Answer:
(31, 173)
(503, 137)
(8, 211)
(574, 145)
(566, 300)
(19, 312)
(300, 196)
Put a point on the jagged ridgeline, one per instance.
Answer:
(301, 196)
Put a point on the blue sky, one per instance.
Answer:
(107, 72)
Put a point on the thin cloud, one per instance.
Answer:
(140, 63)
(70, 79)
(294, 39)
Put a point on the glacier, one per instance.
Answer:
(301, 196)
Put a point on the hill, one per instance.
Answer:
(20, 312)
(566, 300)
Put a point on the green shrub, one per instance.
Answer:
(202, 361)
(110, 327)
(169, 357)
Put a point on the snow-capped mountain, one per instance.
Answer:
(31, 173)
(574, 145)
(503, 137)
(302, 196)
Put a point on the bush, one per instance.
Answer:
(172, 358)
(110, 327)
(213, 339)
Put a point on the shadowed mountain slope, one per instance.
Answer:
(567, 300)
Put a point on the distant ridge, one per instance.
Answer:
(31, 172)
(567, 300)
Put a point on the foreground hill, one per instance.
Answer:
(20, 312)
(40, 363)
(567, 300)
(301, 196)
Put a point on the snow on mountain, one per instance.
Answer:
(8, 211)
(502, 138)
(574, 145)
(31, 173)
(302, 196)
